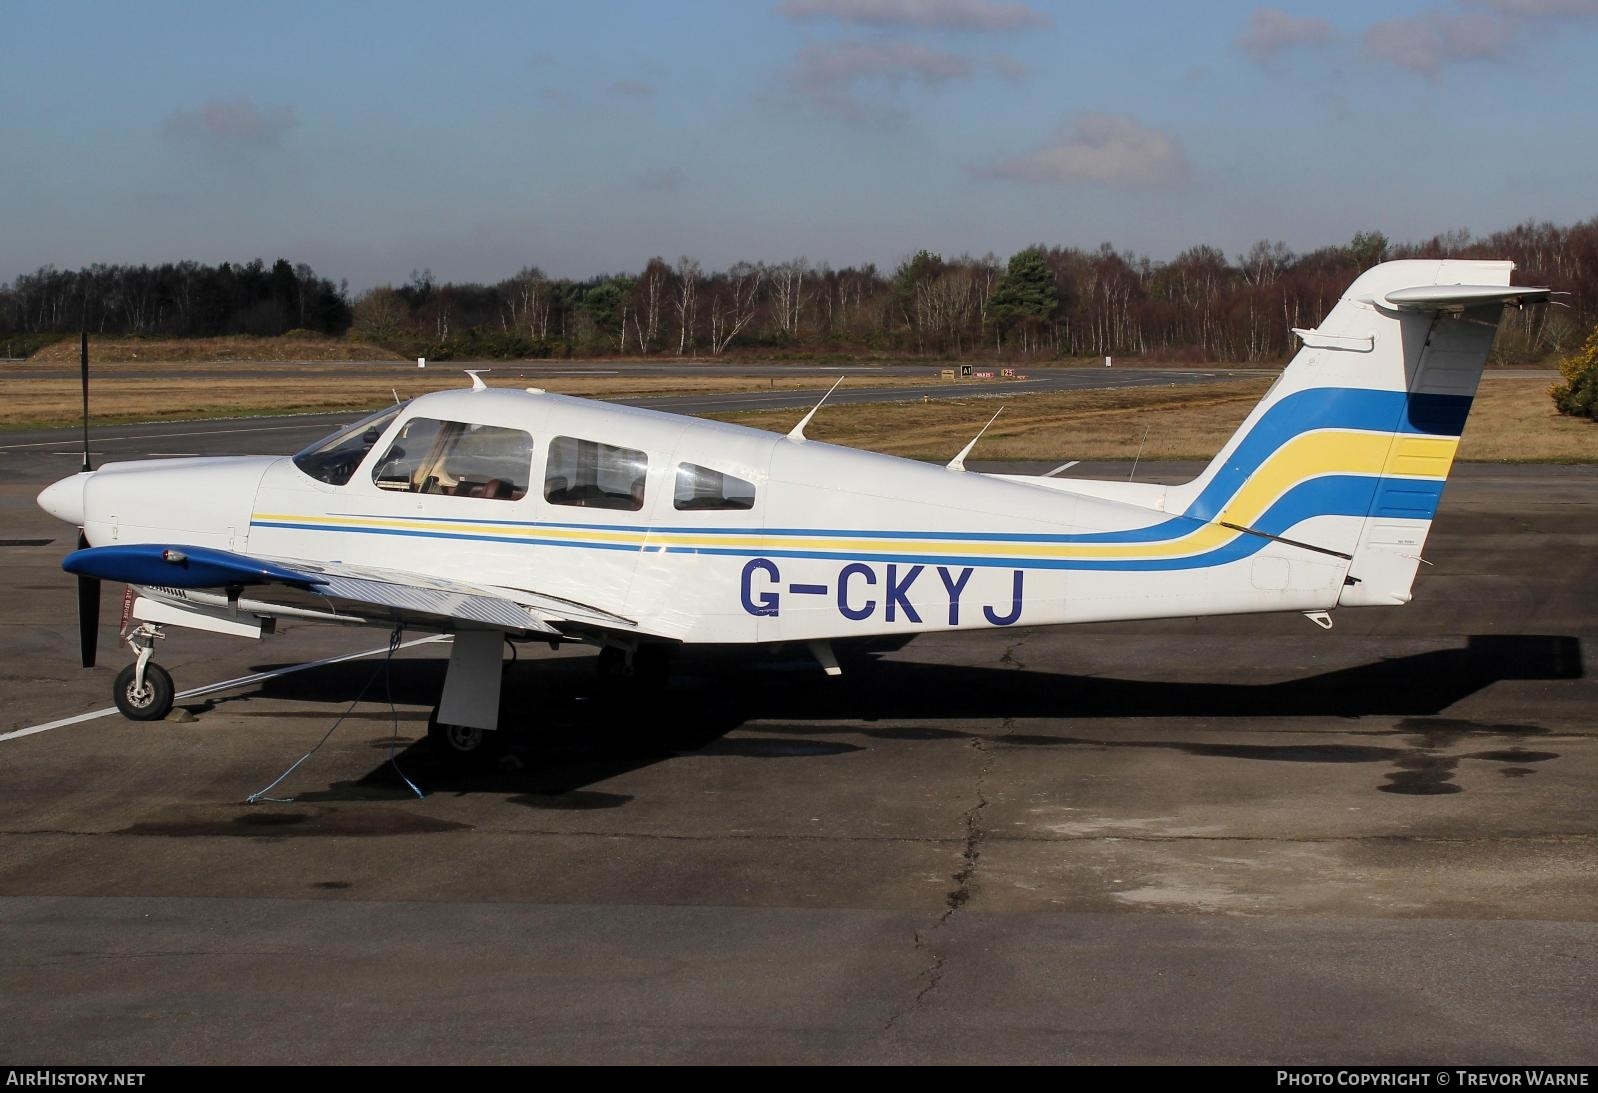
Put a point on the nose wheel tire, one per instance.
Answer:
(151, 702)
(464, 746)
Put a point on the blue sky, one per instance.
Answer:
(474, 138)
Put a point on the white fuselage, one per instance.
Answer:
(837, 542)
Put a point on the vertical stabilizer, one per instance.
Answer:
(1349, 450)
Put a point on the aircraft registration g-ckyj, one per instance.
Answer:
(492, 514)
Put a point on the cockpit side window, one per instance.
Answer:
(457, 459)
(334, 459)
(701, 488)
(588, 474)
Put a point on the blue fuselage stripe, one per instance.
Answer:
(1329, 495)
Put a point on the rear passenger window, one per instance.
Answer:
(702, 488)
(457, 459)
(588, 474)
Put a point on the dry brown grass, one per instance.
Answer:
(1512, 421)
(206, 391)
(124, 350)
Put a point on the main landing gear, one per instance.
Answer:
(465, 746)
(143, 690)
(642, 669)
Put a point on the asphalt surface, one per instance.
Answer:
(1222, 840)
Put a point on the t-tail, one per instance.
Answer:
(1348, 452)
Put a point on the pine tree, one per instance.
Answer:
(1026, 296)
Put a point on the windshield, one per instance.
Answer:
(334, 459)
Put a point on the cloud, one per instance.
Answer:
(1425, 43)
(1114, 149)
(828, 75)
(1540, 9)
(1269, 32)
(966, 15)
(1011, 68)
(235, 123)
(636, 88)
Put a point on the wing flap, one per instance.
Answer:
(409, 600)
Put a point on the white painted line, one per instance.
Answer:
(1062, 467)
(211, 688)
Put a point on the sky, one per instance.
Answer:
(474, 138)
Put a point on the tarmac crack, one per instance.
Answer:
(963, 877)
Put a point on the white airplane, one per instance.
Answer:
(491, 514)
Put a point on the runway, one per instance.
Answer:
(32, 451)
(1225, 840)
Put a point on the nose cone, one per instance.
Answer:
(64, 499)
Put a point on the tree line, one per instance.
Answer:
(175, 299)
(1044, 302)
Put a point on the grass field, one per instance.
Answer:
(206, 391)
(114, 350)
(1513, 420)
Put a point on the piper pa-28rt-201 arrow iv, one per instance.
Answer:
(491, 514)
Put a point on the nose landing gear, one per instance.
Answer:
(143, 690)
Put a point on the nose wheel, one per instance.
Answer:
(143, 691)
(150, 700)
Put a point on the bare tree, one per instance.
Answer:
(525, 302)
(650, 293)
(734, 304)
(787, 294)
(688, 272)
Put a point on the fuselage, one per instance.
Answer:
(706, 532)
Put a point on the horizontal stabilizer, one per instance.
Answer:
(1459, 297)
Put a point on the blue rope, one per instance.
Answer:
(388, 691)
(393, 644)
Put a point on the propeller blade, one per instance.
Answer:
(88, 611)
(83, 359)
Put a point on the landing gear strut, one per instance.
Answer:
(645, 668)
(143, 690)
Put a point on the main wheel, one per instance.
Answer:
(151, 702)
(462, 745)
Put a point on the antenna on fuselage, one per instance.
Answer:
(958, 462)
(1140, 446)
(477, 378)
(798, 431)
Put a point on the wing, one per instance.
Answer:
(350, 593)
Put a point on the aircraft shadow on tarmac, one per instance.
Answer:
(572, 731)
